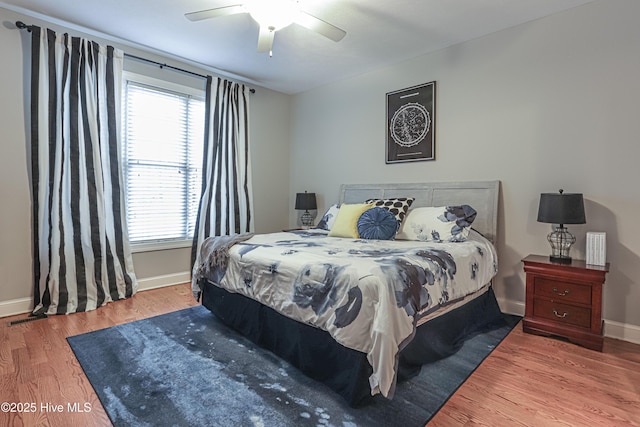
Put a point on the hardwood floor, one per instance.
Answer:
(527, 381)
(530, 380)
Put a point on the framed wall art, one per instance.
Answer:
(411, 115)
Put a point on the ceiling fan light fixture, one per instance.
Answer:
(272, 15)
(275, 14)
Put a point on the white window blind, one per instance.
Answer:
(163, 145)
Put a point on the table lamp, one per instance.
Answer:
(559, 209)
(306, 201)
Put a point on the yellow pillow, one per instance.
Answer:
(346, 223)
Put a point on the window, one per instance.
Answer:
(162, 157)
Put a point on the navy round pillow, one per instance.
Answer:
(377, 223)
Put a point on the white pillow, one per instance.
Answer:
(328, 218)
(437, 224)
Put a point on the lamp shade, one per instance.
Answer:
(306, 201)
(561, 208)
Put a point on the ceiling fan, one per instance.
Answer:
(272, 16)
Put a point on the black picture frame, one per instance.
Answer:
(411, 119)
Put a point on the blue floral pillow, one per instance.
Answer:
(377, 223)
(328, 218)
(438, 224)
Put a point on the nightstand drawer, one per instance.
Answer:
(562, 291)
(562, 313)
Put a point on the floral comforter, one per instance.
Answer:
(368, 294)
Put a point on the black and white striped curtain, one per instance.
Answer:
(82, 258)
(226, 203)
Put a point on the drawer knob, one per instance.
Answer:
(558, 314)
(563, 293)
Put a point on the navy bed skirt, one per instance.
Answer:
(344, 370)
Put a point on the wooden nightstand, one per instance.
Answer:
(564, 300)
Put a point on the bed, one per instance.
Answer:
(360, 315)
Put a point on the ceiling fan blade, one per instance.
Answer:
(265, 38)
(319, 26)
(214, 13)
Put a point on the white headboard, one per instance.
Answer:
(481, 195)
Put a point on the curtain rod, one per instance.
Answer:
(21, 25)
(171, 67)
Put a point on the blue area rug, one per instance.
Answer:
(187, 369)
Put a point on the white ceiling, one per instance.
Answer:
(379, 32)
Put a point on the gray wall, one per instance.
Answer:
(269, 133)
(546, 105)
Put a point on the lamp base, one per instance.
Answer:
(561, 241)
(560, 259)
(307, 219)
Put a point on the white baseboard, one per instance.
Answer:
(622, 331)
(16, 306)
(164, 280)
(511, 307)
(25, 305)
(617, 330)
